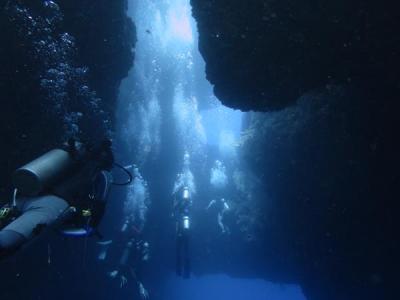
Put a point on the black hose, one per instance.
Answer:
(127, 172)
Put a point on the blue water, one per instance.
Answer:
(168, 82)
(222, 287)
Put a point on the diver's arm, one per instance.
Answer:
(126, 254)
(104, 246)
(212, 203)
(175, 206)
(125, 225)
(226, 206)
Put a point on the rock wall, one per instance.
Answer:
(61, 64)
(263, 55)
(329, 187)
(326, 158)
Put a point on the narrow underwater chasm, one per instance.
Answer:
(174, 129)
(168, 117)
(309, 172)
(315, 179)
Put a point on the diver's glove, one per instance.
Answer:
(116, 274)
(113, 274)
(123, 282)
(144, 294)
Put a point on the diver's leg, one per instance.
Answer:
(179, 255)
(220, 222)
(10, 242)
(37, 213)
(186, 270)
(226, 227)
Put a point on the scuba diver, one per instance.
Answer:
(132, 250)
(219, 182)
(65, 188)
(136, 202)
(135, 252)
(222, 207)
(186, 178)
(183, 191)
(182, 207)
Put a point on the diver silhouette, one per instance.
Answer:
(182, 207)
(65, 189)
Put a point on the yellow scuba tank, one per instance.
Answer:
(32, 178)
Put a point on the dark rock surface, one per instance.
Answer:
(329, 178)
(105, 38)
(60, 72)
(61, 63)
(327, 161)
(263, 55)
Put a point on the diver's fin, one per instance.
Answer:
(105, 243)
(75, 232)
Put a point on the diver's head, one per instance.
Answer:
(146, 251)
(106, 144)
(102, 153)
(186, 159)
(186, 156)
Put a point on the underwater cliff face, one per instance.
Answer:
(60, 71)
(330, 187)
(314, 189)
(61, 65)
(327, 159)
(263, 55)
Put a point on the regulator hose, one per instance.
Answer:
(127, 172)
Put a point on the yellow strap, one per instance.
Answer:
(4, 212)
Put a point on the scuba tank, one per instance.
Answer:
(35, 176)
(127, 252)
(186, 222)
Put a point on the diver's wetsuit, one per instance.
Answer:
(182, 212)
(46, 209)
(36, 213)
(182, 254)
(131, 257)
